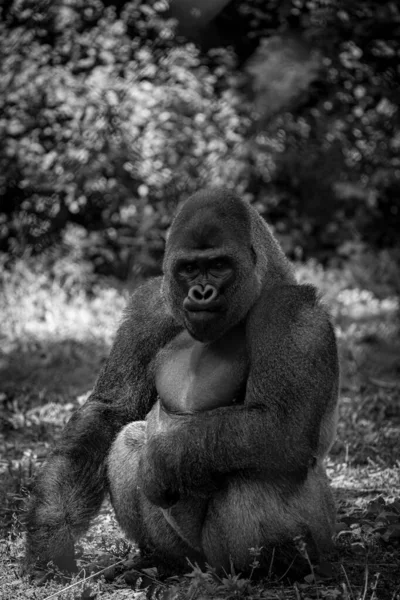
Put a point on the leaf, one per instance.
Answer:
(358, 548)
(376, 506)
(351, 520)
(395, 506)
(341, 527)
(151, 572)
(88, 594)
(344, 532)
(336, 593)
(392, 533)
(325, 569)
(388, 516)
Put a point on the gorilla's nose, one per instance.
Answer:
(202, 294)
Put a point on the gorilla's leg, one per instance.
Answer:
(155, 530)
(254, 513)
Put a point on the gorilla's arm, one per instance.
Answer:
(291, 390)
(71, 486)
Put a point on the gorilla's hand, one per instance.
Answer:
(162, 477)
(157, 481)
(40, 552)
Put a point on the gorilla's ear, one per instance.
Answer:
(254, 255)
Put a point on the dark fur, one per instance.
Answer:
(280, 434)
(72, 484)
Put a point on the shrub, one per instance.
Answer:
(105, 120)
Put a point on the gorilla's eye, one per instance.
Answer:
(188, 269)
(219, 264)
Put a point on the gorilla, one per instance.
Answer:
(210, 422)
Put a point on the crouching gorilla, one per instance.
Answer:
(235, 366)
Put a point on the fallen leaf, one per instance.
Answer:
(392, 533)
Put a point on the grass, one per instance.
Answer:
(55, 334)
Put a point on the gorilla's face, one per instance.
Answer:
(202, 283)
(209, 268)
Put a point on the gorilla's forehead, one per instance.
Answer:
(207, 224)
(202, 235)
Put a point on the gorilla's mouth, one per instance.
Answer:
(215, 309)
(199, 313)
(202, 314)
(211, 307)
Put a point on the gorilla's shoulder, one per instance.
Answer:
(151, 286)
(301, 294)
(302, 307)
(288, 303)
(147, 313)
(293, 295)
(146, 298)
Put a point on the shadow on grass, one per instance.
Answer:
(40, 383)
(55, 370)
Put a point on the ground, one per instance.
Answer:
(55, 337)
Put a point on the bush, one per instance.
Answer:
(108, 119)
(105, 120)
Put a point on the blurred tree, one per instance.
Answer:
(104, 121)
(107, 118)
(325, 81)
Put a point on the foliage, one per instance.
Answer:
(108, 119)
(104, 121)
(327, 159)
(46, 300)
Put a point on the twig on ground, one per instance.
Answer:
(99, 573)
(348, 582)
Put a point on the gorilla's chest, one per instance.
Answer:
(192, 376)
